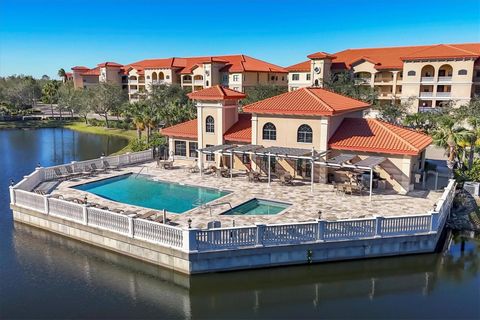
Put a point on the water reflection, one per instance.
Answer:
(314, 290)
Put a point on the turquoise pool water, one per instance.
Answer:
(159, 195)
(258, 207)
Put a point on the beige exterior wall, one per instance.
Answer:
(165, 73)
(302, 81)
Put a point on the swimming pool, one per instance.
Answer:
(258, 207)
(159, 195)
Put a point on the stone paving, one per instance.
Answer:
(305, 204)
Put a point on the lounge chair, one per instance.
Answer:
(96, 169)
(286, 179)
(88, 171)
(72, 173)
(59, 175)
(108, 166)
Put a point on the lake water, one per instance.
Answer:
(43, 275)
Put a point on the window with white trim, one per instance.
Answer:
(209, 124)
(269, 131)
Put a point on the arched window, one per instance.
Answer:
(411, 73)
(209, 124)
(154, 76)
(462, 72)
(161, 76)
(304, 134)
(269, 131)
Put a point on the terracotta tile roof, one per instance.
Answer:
(306, 101)
(80, 68)
(301, 67)
(109, 64)
(373, 135)
(391, 57)
(241, 131)
(92, 72)
(216, 93)
(187, 129)
(446, 51)
(233, 63)
(320, 55)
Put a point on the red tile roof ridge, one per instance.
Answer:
(451, 46)
(384, 125)
(307, 89)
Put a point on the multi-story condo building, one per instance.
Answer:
(237, 72)
(428, 76)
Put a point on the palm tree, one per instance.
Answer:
(50, 93)
(134, 110)
(449, 136)
(62, 74)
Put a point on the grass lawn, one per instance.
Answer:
(33, 124)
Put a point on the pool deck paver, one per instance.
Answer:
(305, 204)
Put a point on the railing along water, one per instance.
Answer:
(158, 233)
(220, 238)
(108, 220)
(65, 209)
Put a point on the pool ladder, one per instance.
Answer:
(210, 206)
(139, 172)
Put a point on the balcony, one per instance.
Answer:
(386, 95)
(430, 109)
(363, 80)
(187, 81)
(198, 82)
(426, 94)
(444, 94)
(156, 82)
(133, 91)
(133, 81)
(383, 80)
(445, 79)
(427, 79)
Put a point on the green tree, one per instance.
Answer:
(344, 83)
(50, 93)
(68, 98)
(262, 91)
(470, 115)
(83, 101)
(62, 74)
(171, 105)
(134, 111)
(107, 98)
(449, 136)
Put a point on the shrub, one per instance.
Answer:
(472, 174)
(139, 145)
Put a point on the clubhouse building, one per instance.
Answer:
(309, 134)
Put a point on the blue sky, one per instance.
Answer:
(40, 36)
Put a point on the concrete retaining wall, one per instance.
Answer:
(231, 259)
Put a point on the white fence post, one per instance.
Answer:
(321, 230)
(85, 214)
(434, 223)
(128, 157)
(12, 195)
(190, 240)
(260, 232)
(46, 204)
(131, 231)
(378, 226)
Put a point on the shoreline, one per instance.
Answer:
(80, 126)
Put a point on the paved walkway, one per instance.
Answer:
(305, 204)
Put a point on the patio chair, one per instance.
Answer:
(210, 170)
(108, 166)
(72, 173)
(286, 179)
(88, 171)
(193, 169)
(59, 175)
(348, 189)
(96, 169)
(340, 189)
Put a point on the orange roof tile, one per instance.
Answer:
(302, 66)
(109, 64)
(373, 135)
(443, 51)
(321, 55)
(391, 57)
(80, 68)
(216, 93)
(307, 101)
(241, 131)
(92, 72)
(187, 129)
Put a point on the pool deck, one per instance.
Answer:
(305, 204)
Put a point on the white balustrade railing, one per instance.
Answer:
(348, 229)
(223, 238)
(406, 225)
(29, 200)
(66, 209)
(157, 233)
(290, 233)
(107, 220)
